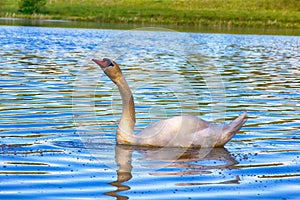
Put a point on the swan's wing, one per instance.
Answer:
(208, 137)
(217, 135)
(189, 131)
(175, 131)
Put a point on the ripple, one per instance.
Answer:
(58, 115)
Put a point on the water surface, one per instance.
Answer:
(127, 26)
(58, 114)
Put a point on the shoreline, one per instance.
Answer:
(62, 23)
(281, 16)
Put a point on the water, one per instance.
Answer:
(123, 26)
(58, 114)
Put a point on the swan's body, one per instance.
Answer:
(179, 131)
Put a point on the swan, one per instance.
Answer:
(179, 131)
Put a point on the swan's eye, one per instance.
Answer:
(111, 64)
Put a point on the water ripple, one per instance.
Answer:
(57, 140)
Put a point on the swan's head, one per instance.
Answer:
(110, 68)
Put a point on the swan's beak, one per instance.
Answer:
(102, 63)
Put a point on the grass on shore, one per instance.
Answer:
(214, 13)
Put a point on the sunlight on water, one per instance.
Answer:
(58, 114)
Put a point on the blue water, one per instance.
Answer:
(58, 114)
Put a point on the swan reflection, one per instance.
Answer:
(181, 162)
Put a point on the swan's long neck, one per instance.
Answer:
(126, 126)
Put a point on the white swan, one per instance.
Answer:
(179, 131)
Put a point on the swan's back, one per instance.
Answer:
(189, 131)
(175, 131)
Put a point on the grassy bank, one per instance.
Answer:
(197, 13)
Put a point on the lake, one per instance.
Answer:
(59, 114)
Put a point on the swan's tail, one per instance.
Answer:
(236, 125)
(229, 130)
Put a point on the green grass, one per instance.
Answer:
(212, 13)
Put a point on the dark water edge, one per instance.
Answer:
(95, 25)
